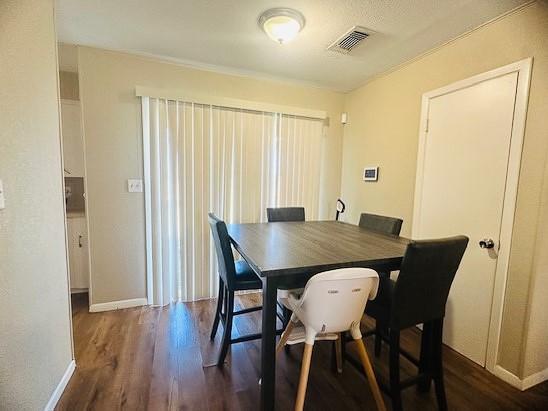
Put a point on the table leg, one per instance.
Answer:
(268, 344)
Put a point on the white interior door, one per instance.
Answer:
(464, 174)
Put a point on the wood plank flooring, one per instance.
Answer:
(153, 359)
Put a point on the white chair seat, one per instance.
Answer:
(332, 302)
(298, 335)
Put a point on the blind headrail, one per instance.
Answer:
(251, 105)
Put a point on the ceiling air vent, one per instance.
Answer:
(350, 40)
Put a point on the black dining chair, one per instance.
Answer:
(281, 214)
(233, 276)
(385, 225)
(418, 296)
(381, 223)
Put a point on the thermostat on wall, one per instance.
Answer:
(371, 173)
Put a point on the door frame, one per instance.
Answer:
(86, 208)
(523, 68)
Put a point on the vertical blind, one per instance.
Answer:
(202, 158)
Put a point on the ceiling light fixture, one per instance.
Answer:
(281, 24)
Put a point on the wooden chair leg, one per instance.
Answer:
(285, 336)
(395, 391)
(303, 379)
(218, 309)
(227, 332)
(370, 375)
(338, 353)
(437, 366)
(286, 315)
(425, 362)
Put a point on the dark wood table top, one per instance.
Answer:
(275, 249)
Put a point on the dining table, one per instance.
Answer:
(286, 254)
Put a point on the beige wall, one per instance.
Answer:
(67, 56)
(536, 326)
(383, 130)
(112, 133)
(35, 336)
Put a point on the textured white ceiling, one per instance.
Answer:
(225, 35)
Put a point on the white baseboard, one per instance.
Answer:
(535, 379)
(521, 384)
(78, 290)
(50, 406)
(507, 376)
(117, 305)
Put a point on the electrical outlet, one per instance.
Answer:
(135, 186)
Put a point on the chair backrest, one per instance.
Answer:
(223, 249)
(334, 301)
(280, 214)
(380, 223)
(426, 274)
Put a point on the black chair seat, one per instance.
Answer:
(233, 276)
(379, 308)
(418, 296)
(381, 223)
(282, 214)
(381, 311)
(286, 214)
(246, 279)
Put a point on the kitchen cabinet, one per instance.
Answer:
(78, 252)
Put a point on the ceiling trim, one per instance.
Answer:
(442, 45)
(219, 69)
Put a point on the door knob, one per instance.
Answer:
(487, 243)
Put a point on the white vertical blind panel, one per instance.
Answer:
(299, 172)
(231, 162)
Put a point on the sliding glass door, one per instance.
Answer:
(232, 162)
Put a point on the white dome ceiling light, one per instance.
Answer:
(281, 24)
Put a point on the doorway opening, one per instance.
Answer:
(74, 175)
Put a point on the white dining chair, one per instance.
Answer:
(332, 302)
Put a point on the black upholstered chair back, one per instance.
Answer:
(380, 223)
(223, 250)
(426, 274)
(280, 214)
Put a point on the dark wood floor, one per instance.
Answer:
(157, 359)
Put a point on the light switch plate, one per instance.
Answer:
(134, 186)
(2, 200)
